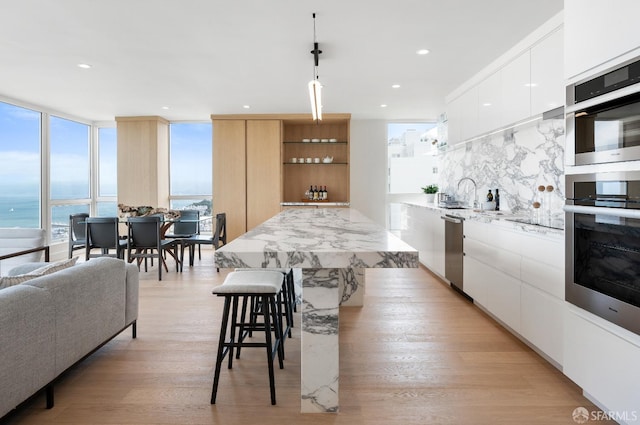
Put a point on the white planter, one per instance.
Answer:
(431, 197)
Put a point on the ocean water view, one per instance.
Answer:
(24, 211)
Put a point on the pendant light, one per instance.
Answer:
(315, 88)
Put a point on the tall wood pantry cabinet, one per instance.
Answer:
(253, 171)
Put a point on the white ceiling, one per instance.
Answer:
(202, 57)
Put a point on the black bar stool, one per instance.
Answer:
(288, 295)
(262, 289)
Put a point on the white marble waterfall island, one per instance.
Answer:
(332, 246)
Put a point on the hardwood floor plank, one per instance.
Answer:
(416, 353)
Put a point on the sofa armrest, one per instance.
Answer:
(132, 283)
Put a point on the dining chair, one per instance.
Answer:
(217, 239)
(77, 232)
(144, 242)
(102, 233)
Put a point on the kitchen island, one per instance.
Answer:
(332, 246)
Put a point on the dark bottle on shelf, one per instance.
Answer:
(325, 194)
(310, 196)
(489, 196)
(315, 193)
(497, 199)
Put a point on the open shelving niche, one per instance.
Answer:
(335, 175)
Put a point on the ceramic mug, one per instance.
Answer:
(294, 160)
(308, 160)
(301, 160)
(316, 160)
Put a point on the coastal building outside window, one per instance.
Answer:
(190, 168)
(69, 171)
(20, 135)
(412, 163)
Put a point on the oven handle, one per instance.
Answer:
(617, 212)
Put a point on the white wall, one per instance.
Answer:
(369, 168)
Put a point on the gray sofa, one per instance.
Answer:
(49, 323)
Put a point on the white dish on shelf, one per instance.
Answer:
(306, 140)
(333, 140)
(324, 140)
(315, 140)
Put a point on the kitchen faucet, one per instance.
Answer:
(475, 189)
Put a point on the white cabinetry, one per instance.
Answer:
(424, 230)
(516, 89)
(603, 360)
(469, 113)
(547, 79)
(490, 103)
(527, 85)
(519, 279)
(598, 32)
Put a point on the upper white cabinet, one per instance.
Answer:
(490, 103)
(547, 78)
(597, 32)
(522, 86)
(516, 89)
(469, 113)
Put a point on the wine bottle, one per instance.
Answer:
(497, 199)
(325, 194)
(310, 197)
(315, 193)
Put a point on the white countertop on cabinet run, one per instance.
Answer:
(504, 219)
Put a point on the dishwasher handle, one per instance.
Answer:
(451, 219)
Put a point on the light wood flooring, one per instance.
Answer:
(416, 353)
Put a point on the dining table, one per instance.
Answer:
(333, 247)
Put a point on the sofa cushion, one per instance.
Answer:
(7, 281)
(54, 267)
(48, 268)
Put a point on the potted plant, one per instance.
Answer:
(430, 191)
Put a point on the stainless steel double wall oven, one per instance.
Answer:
(603, 207)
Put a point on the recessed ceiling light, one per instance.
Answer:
(84, 65)
(422, 51)
(246, 106)
(395, 86)
(531, 85)
(486, 104)
(165, 107)
(384, 105)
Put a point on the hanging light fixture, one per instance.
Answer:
(315, 88)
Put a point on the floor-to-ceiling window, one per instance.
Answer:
(20, 171)
(69, 171)
(412, 164)
(190, 171)
(107, 174)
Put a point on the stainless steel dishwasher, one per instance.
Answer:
(453, 250)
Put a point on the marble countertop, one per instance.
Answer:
(315, 204)
(505, 219)
(317, 238)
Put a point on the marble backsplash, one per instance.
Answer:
(515, 161)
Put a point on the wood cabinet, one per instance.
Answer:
(252, 168)
(297, 177)
(246, 171)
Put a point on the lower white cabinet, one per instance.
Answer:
(519, 279)
(424, 231)
(603, 360)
